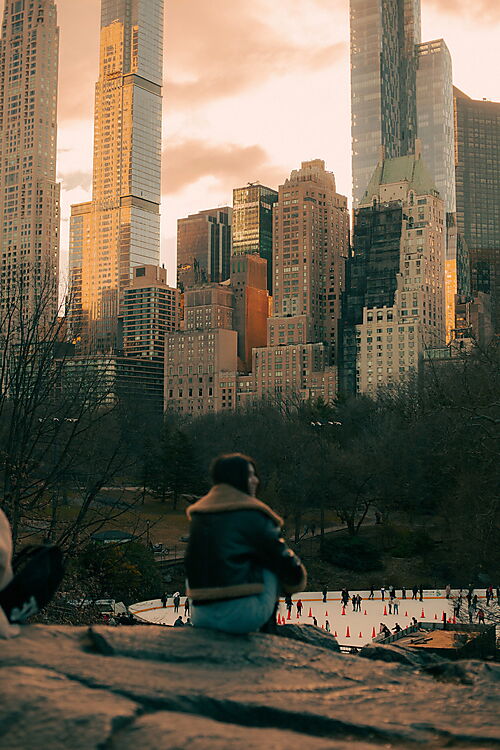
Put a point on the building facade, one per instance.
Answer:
(207, 363)
(253, 224)
(206, 347)
(394, 306)
(310, 245)
(477, 154)
(204, 247)
(435, 127)
(384, 35)
(120, 228)
(150, 311)
(29, 193)
(250, 305)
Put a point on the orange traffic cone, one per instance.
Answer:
(406, 613)
(310, 612)
(326, 614)
(360, 634)
(423, 613)
(289, 617)
(335, 634)
(385, 610)
(322, 627)
(343, 610)
(366, 612)
(347, 633)
(435, 616)
(373, 633)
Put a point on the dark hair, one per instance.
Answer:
(232, 468)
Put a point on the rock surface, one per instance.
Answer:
(165, 688)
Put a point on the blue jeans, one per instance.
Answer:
(242, 615)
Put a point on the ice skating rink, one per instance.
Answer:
(352, 628)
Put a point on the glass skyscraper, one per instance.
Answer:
(29, 193)
(120, 228)
(477, 135)
(435, 116)
(253, 224)
(204, 247)
(384, 35)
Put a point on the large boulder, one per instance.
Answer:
(166, 688)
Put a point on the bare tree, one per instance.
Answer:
(57, 419)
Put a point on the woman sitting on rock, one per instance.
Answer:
(237, 560)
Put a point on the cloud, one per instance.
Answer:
(482, 11)
(231, 165)
(72, 180)
(219, 48)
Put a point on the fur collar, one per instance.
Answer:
(224, 497)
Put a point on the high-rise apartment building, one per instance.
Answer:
(435, 116)
(310, 245)
(150, 311)
(384, 35)
(204, 247)
(120, 228)
(477, 138)
(394, 306)
(29, 194)
(253, 224)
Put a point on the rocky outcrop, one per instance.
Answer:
(158, 687)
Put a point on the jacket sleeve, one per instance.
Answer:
(273, 552)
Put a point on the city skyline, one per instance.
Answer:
(279, 53)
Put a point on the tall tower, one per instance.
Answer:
(29, 194)
(310, 245)
(120, 228)
(477, 135)
(253, 224)
(384, 35)
(310, 240)
(435, 116)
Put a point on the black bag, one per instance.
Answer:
(38, 571)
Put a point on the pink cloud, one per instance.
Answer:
(482, 11)
(219, 48)
(231, 165)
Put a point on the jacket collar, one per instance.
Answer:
(224, 497)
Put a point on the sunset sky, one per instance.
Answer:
(252, 88)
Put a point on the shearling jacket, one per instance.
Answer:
(232, 538)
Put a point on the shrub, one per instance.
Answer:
(351, 553)
(404, 542)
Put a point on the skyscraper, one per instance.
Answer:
(394, 306)
(29, 194)
(120, 228)
(310, 244)
(384, 35)
(435, 116)
(204, 247)
(253, 224)
(477, 135)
